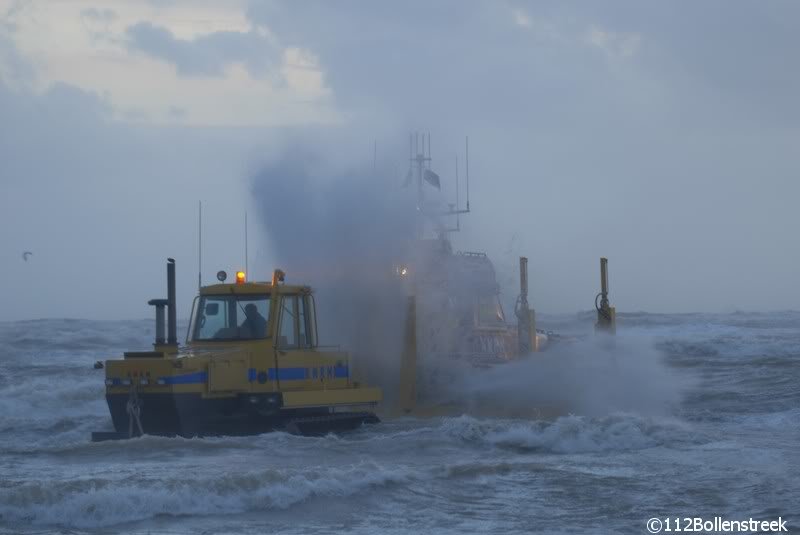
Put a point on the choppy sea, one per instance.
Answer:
(687, 415)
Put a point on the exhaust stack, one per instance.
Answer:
(159, 304)
(172, 328)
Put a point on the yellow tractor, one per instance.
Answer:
(252, 363)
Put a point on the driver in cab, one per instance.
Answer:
(254, 325)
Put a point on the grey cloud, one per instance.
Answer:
(178, 112)
(719, 62)
(451, 58)
(207, 55)
(17, 70)
(7, 20)
(729, 61)
(99, 15)
(97, 23)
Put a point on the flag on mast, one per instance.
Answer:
(432, 179)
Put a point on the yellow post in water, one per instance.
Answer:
(526, 317)
(606, 314)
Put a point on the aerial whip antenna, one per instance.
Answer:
(429, 150)
(200, 245)
(467, 173)
(458, 203)
(246, 270)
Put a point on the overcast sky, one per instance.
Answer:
(663, 135)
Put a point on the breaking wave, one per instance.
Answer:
(486, 448)
(574, 434)
(103, 501)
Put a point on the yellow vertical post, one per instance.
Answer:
(526, 316)
(606, 314)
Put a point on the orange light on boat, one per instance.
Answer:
(240, 277)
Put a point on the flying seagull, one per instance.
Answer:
(26, 254)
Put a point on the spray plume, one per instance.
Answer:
(342, 233)
(345, 232)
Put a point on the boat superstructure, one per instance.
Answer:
(458, 306)
(456, 325)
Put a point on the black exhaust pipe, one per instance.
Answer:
(159, 304)
(172, 327)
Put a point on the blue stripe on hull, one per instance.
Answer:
(300, 374)
(286, 374)
(186, 379)
(281, 374)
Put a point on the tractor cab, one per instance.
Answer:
(254, 312)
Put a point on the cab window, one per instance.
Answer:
(287, 337)
(231, 317)
(489, 310)
(297, 329)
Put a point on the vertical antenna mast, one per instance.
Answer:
(467, 173)
(246, 270)
(410, 158)
(200, 246)
(429, 150)
(458, 202)
(420, 160)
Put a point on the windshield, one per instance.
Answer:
(231, 317)
(490, 313)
